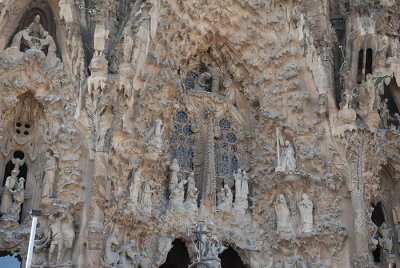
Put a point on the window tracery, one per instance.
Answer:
(226, 150)
(182, 141)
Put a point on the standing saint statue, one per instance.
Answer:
(19, 197)
(306, 213)
(173, 177)
(136, 183)
(283, 218)
(50, 174)
(8, 191)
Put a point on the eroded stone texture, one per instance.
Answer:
(265, 128)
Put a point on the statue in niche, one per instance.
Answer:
(34, 36)
(49, 176)
(191, 196)
(8, 191)
(146, 203)
(111, 257)
(241, 190)
(225, 199)
(384, 114)
(136, 183)
(283, 217)
(56, 237)
(126, 251)
(306, 213)
(386, 240)
(68, 231)
(287, 161)
(153, 140)
(177, 195)
(173, 177)
(18, 198)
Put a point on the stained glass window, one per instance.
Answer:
(225, 149)
(182, 141)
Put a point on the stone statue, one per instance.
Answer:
(67, 231)
(283, 217)
(57, 239)
(153, 140)
(287, 161)
(173, 179)
(18, 197)
(384, 114)
(136, 183)
(8, 191)
(49, 177)
(146, 203)
(306, 213)
(386, 241)
(225, 199)
(126, 251)
(237, 176)
(191, 196)
(111, 257)
(100, 38)
(35, 29)
(178, 194)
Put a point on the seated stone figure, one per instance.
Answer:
(34, 37)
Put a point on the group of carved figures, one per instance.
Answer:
(121, 256)
(177, 189)
(139, 198)
(284, 223)
(225, 196)
(35, 37)
(57, 240)
(13, 195)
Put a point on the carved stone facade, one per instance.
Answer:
(262, 130)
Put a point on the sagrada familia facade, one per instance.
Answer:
(200, 133)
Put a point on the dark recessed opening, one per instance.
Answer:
(230, 259)
(18, 124)
(178, 257)
(378, 218)
(391, 104)
(368, 62)
(18, 154)
(360, 66)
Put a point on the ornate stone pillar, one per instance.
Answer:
(357, 158)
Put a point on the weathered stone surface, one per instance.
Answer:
(266, 127)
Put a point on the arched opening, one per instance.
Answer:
(378, 219)
(230, 259)
(387, 94)
(368, 62)
(360, 66)
(178, 256)
(10, 260)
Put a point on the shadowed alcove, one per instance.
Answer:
(230, 259)
(178, 256)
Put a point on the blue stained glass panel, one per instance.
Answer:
(224, 124)
(225, 168)
(181, 117)
(187, 130)
(234, 164)
(231, 137)
(181, 156)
